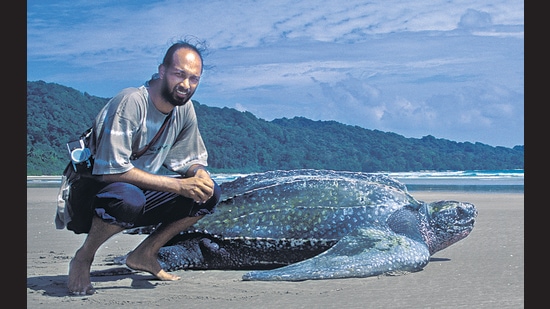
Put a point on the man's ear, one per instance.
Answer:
(162, 70)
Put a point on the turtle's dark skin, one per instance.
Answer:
(318, 224)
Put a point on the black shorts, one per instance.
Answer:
(129, 206)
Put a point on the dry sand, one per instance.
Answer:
(485, 270)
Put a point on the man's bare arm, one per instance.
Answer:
(199, 186)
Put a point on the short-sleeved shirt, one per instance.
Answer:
(130, 120)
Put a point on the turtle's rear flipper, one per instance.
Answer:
(363, 253)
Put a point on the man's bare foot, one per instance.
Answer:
(79, 282)
(150, 265)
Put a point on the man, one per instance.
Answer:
(126, 190)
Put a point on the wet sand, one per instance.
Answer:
(485, 270)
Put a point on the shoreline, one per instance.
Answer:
(485, 270)
(414, 184)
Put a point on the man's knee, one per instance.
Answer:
(217, 194)
(120, 202)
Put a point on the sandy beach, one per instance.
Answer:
(485, 270)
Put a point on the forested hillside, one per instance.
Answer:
(240, 142)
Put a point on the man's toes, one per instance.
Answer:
(89, 291)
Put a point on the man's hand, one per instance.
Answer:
(199, 187)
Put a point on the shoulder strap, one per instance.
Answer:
(86, 133)
(138, 154)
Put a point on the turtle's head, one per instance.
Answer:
(448, 222)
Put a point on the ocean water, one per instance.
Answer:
(473, 180)
(498, 181)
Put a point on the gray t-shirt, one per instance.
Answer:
(130, 120)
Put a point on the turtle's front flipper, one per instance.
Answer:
(363, 253)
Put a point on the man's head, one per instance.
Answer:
(180, 73)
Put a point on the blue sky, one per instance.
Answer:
(451, 69)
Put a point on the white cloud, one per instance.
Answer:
(414, 68)
(240, 107)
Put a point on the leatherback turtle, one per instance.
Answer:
(318, 224)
